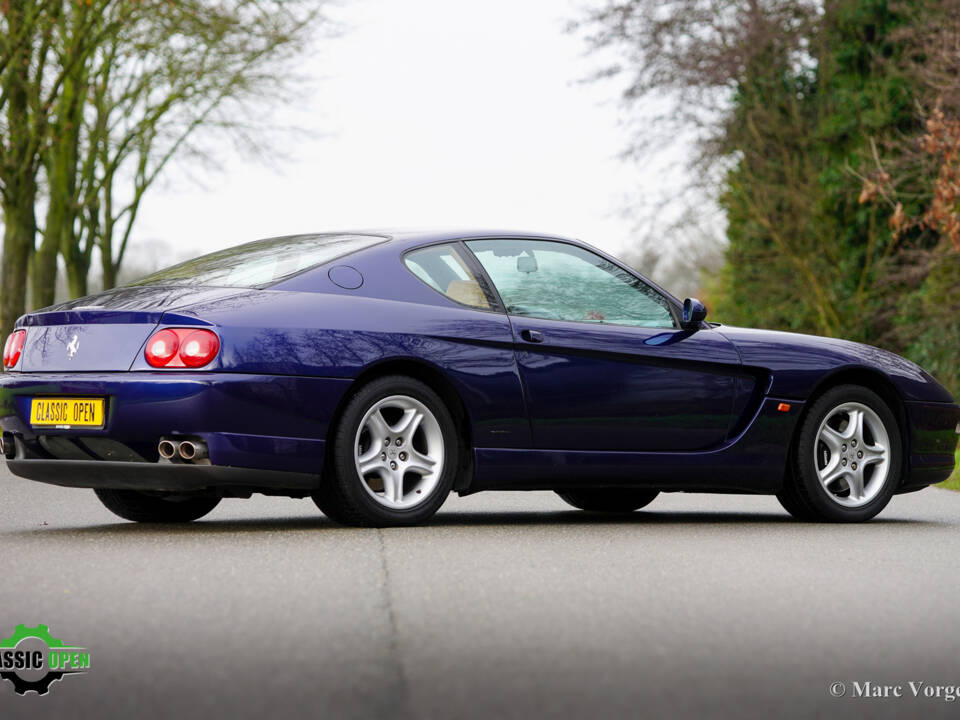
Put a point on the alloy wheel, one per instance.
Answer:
(852, 454)
(399, 452)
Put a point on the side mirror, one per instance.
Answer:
(694, 313)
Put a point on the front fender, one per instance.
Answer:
(798, 364)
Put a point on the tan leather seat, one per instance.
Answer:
(467, 292)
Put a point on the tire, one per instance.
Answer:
(793, 504)
(609, 500)
(410, 478)
(849, 458)
(141, 507)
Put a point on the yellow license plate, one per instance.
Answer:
(67, 412)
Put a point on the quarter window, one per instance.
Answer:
(443, 268)
(559, 281)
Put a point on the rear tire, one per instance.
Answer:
(609, 500)
(394, 456)
(141, 507)
(849, 458)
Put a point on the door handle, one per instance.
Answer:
(534, 336)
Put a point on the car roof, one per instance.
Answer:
(410, 237)
(405, 238)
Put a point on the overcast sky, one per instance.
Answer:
(428, 113)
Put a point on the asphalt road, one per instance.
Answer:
(507, 605)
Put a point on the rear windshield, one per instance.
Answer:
(262, 262)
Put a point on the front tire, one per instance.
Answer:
(141, 507)
(849, 458)
(394, 456)
(609, 500)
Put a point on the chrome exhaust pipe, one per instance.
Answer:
(167, 448)
(191, 450)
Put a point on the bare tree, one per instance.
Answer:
(25, 96)
(114, 90)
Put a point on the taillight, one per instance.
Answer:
(198, 348)
(181, 347)
(162, 348)
(13, 347)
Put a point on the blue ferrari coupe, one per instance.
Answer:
(376, 372)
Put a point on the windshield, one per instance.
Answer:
(260, 263)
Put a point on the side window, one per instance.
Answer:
(442, 268)
(557, 281)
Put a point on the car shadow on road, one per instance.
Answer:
(684, 517)
(454, 519)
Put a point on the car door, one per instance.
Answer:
(604, 364)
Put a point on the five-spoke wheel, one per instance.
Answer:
(852, 454)
(848, 458)
(399, 452)
(393, 458)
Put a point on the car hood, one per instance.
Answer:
(797, 363)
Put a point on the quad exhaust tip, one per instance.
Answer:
(167, 449)
(187, 450)
(191, 450)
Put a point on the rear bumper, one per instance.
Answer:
(160, 477)
(933, 443)
(266, 423)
